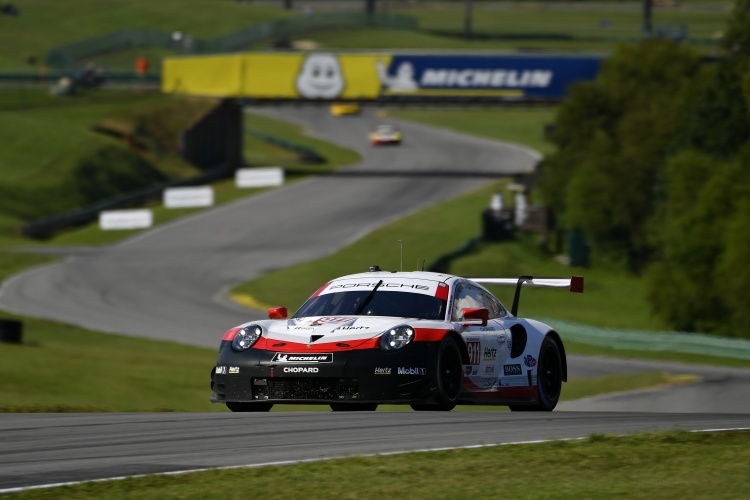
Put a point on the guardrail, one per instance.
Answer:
(639, 340)
(306, 154)
(47, 226)
(625, 339)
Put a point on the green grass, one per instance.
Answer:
(66, 127)
(529, 28)
(48, 142)
(518, 125)
(46, 24)
(60, 367)
(668, 465)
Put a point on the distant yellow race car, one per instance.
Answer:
(385, 134)
(345, 108)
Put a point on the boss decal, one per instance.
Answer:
(512, 369)
(283, 357)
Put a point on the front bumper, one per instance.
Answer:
(367, 376)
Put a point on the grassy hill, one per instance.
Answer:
(43, 25)
(46, 24)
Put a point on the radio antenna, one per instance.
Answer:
(423, 262)
(401, 243)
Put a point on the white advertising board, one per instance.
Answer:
(259, 177)
(182, 197)
(125, 219)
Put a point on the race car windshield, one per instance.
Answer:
(382, 303)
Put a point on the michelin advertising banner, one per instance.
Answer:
(330, 75)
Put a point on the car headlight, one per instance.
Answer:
(246, 337)
(397, 338)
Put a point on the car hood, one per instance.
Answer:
(352, 330)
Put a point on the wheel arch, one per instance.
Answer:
(461, 345)
(563, 357)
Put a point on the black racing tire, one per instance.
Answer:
(354, 406)
(548, 379)
(449, 376)
(242, 407)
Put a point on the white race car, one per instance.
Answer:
(385, 134)
(429, 340)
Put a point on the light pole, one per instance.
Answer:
(467, 19)
(647, 9)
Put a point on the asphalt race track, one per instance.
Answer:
(47, 449)
(170, 284)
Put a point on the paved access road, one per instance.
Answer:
(170, 283)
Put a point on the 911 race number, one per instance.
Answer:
(475, 352)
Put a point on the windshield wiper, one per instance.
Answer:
(367, 299)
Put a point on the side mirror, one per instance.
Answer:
(476, 316)
(277, 313)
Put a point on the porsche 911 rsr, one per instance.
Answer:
(429, 340)
(385, 134)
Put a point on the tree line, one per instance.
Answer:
(653, 166)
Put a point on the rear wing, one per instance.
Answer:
(573, 284)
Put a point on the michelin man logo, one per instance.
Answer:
(320, 77)
(402, 81)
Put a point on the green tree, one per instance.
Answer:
(613, 137)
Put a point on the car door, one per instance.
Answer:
(485, 343)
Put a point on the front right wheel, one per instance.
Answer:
(548, 378)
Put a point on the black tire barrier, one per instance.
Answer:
(11, 331)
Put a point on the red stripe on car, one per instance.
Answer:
(320, 290)
(231, 333)
(429, 334)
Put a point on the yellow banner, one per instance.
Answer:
(315, 75)
(216, 76)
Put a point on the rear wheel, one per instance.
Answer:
(549, 378)
(449, 377)
(236, 406)
(354, 406)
